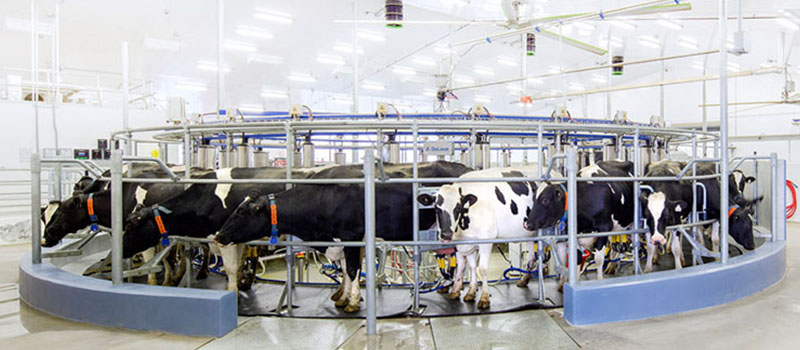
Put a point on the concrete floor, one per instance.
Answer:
(766, 320)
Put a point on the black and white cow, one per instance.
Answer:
(483, 210)
(670, 204)
(331, 212)
(602, 207)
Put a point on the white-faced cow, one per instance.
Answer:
(331, 212)
(602, 207)
(483, 210)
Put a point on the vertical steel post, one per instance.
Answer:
(287, 128)
(355, 66)
(637, 171)
(755, 189)
(472, 150)
(572, 213)
(694, 195)
(35, 72)
(369, 236)
(776, 213)
(116, 217)
(187, 152)
(55, 90)
(290, 277)
(539, 233)
(723, 130)
(125, 97)
(36, 201)
(220, 58)
(415, 210)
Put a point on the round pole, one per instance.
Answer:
(116, 217)
(572, 214)
(35, 67)
(723, 118)
(637, 171)
(369, 237)
(221, 59)
(36, 200)
(415, 211)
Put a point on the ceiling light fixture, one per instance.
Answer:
(240, 46)
(303, 78)
(370, 85)
(254, 32)
(669, 23)
(276, 94)
(330, 59)
(507, 61)
(650, 41)
(404, 70)
(372, 36)
(273, 16)
(346, 48)
(212, 66)
(265, 59)
(688, 43)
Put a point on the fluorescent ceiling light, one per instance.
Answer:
(442, 49)
(536, 81)
(343, 100)
(404, 70)
(161, 44)
(481, 70)
(330, 59)
(789, 24)
(303, 78)
(276, 94)
(698, 65)
(733, 66)
(265, 59)
(273, 16)
(688, 43)
(240, 46)
(24, 25)
(191, 86)
(508, 61)
(212, 66)
(346, 48)
(650, 41)
(482, 99)
(463, 79)
(615, 42)
(370, 85)
(623, 24)
(669, 23)
(576, 86)
(599, 78)
(423, 61)
(253, 32)
(368, 35)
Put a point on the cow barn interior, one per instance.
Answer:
(399, 174)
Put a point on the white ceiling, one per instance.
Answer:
(92, 31)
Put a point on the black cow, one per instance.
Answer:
(329, 212)
(602, 207)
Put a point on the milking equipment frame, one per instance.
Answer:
(290, 128)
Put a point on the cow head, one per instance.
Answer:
(82, 185)
(70, 216)
(660, 212)
(451, 206)
(141, 232)
(548, 208)
(738, 179)
(48, 211)
(740, 223)
(251, 220)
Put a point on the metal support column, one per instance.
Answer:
(289, 152)
(723, 129)
(540, 232)
(695, 258)
(125, 97)
(220, 58)
(637, 171)
(116, 217)
(187, 152)
(290, 278)
(415, 210)
(369, 236)
(777, 214)
(572, 213)
(36, 215)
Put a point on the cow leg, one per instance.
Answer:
(167, 269)
(472, 256)
(611, 267)
(337, 254)
(599, 261)
(526, 277)
(485, 252)
(458, 281)
(353, 257)
(344, 287)
(231, 258)
(715, 237)
(677, 250)
(203, 272)
(651, 251)
(561, 253)
(148, 255)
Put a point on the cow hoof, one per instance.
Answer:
(560, 288)
(352, 308)
(454, 295)
(483, 304)
(470, 297)
(341, 302)
(522, 283)
(336, 296)
(201, 275)
(442, 291)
